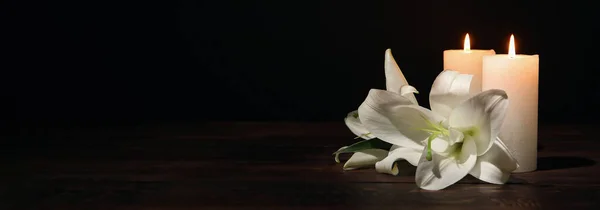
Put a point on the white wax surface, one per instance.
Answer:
(519, 77)
(467, 62)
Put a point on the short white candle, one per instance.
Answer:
(518, 75)
(467, 61)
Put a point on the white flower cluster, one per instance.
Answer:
(456, 137)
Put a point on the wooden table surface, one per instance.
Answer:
(249, 165)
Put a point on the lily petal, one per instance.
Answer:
(388, 164)
(388, 117)
(495, 165)
(407, 89)
(485, 112)
(442, 171)
(456, 136)
(440, 146)
(394, 79)
(365, 158)
(352, 120)
(449, 89)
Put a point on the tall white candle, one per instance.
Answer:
(518, 75)
(467, 61)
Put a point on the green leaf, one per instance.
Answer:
(374, 143)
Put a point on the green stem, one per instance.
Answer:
(433, 136)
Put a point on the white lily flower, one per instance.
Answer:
(457, 137)
(395, 83)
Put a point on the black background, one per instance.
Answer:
(136, 62)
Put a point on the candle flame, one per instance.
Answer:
(467, 45)
(511, 47)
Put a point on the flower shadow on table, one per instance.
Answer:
(406, 169)
(562, 162)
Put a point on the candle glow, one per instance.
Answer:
(467, 61)
(511, 47)
(467, 45)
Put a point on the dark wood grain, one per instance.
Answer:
(264, 166)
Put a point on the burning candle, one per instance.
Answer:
(518, 76)
(467, 61)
